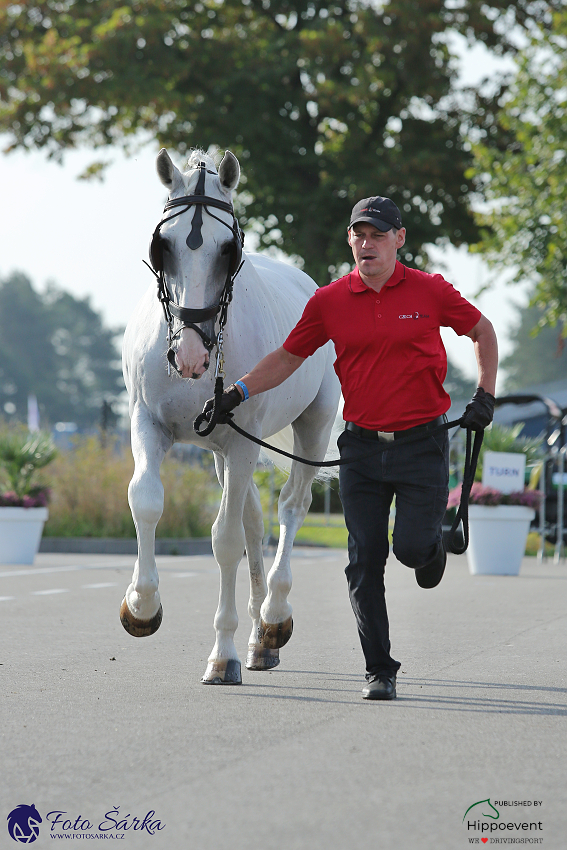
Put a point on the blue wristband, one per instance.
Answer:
(244, 389)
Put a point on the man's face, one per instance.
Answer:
(375, 252)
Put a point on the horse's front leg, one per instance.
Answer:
(235, 474)
(141, 611)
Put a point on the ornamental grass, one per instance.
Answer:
(89, 494)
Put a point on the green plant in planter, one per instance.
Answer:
(501, 438)
(21, 456)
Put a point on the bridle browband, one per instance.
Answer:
(189, 317)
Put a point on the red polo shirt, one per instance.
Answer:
(391, 361)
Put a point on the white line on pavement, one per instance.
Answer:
(48, 592)
(100, 584)
(41, 571)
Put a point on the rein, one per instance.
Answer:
(472, 452)
(189, 317)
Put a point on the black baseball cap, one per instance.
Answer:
(378, 211)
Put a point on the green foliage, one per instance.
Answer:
(21, 456)
(56, 347)
(90, 494)
(457, 384)
(319, 490)
(323, 103)
(533, 545)
(501, 438)
(539, 354)
(263, 480)
(318, 530)
(525, 180)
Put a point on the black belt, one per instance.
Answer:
(385, 436)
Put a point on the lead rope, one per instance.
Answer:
(471, 460)
(471, 457)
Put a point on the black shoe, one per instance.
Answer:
(431, 574)
(380, 686)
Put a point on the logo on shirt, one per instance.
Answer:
(415, 315)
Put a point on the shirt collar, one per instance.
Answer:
(356, 284)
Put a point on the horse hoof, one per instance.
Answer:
(139, 628)
(259, 658)
(277, 635)
(224, 672)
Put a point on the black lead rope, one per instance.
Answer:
(471, 458)
(214, 417)
(381, 447)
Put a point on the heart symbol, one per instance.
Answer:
(484, 840)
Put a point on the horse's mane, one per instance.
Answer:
(196, 156)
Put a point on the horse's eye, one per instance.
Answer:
(225, 249)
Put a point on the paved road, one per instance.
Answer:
(107, 728)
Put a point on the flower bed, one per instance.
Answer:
(481, 495)
(38, 499)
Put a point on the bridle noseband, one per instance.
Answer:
(186, 315)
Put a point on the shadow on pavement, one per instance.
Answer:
(436, 694)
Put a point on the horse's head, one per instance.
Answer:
(197, 247)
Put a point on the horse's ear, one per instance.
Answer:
(229, 171)
(169, 175)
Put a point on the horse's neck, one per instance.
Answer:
(246, 291)
(267, 303)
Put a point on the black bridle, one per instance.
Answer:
(189, 317)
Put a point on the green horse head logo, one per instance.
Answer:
(484, 814)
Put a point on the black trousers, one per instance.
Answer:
(417, 474)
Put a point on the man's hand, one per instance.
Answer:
(479, 411)
(230, 399)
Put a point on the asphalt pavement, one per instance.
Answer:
(114, 738)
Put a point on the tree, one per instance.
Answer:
(324, 103)
(536, 358)
(457, 384)
(525, 181)
(55, 347)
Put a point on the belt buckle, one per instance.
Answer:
(385, 435)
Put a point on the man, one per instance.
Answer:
(384, 320)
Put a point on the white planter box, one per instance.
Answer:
(498, 538)
(20, 534)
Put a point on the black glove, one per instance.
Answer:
(230, 399)
(479, 411)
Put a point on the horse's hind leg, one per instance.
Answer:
(311, 437)
(259, 657)
(141, 611)
(235, 474)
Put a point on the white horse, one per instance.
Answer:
(197, 246)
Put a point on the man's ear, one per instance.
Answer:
(349, 232)
(400, 238)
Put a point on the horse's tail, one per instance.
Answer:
(327, 473)
(284, 440)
